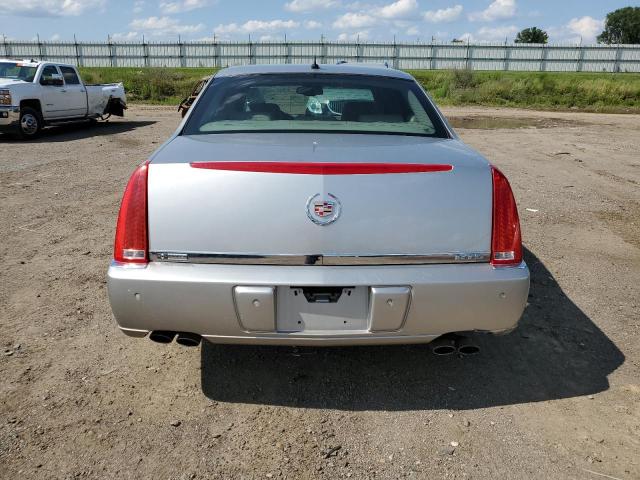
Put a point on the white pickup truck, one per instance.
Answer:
(35, 94)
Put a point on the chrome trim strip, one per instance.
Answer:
(333, 260)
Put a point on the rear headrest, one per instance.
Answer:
(262, 107)
(352, 111)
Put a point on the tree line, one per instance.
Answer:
(620, 26)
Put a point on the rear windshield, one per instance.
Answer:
(17, 71)
(314, 103)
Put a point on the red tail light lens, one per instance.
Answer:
(131, 232)
(506, 241)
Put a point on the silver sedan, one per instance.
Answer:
(316, 205)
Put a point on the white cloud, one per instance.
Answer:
(413, 31)
(489, 34)
(50, 8)
(497, 33)
(443, 15)
(55, 37)
(398, 9)
(363, 35)
(254, 26)
(164, 26)
(124, 36)
(352, 20)
(184, 5)
(308, 5)
(138, 6)
(312, 25)
(498, 10)
(363, 16)
(587, 28)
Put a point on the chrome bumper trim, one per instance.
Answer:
(12, 115)
(333, 260)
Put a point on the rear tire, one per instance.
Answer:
(31, 123)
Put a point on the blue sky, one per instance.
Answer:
(566, 21)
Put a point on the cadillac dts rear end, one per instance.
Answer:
(325, 207)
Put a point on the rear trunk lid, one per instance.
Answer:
(211, 211)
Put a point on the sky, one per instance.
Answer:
(566, 21)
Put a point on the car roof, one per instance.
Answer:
(343, 68)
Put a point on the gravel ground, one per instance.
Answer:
(558, 398)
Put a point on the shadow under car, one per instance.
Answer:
(556, 352)
(79, 130)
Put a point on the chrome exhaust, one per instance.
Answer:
(466, 346)
(444, 345)
(187, 339)
(162, 336)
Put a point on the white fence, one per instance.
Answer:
(520, 57)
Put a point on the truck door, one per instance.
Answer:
(76, 93)
(53, 92)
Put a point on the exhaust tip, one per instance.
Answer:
(466, 346)
(162, 336)
(468, 350)
(444, 350)
(445, 345)
(187, 339)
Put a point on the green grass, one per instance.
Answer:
(593, 92)
(164, 86)
(596, 92)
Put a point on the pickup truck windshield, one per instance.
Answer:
(314, 103)
(17, 71)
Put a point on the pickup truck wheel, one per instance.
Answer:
(30, 123)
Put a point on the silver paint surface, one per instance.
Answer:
(414, 246)
(199, 299)
(227, 212)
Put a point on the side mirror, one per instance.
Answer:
(53, 80)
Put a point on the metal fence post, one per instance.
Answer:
(616, 65)
(145, 52)
(111, 53)
(543, 59)
(77, 48)
(432, 58)
(396, 54)
(467, 60)
(403, 55)
(507, 56)
(40, 49)
(183, 54)
(580, 59)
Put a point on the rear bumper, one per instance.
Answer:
(9, 117)
(203, 299)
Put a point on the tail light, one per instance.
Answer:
(130, 245)
(506, 241)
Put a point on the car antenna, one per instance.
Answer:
(314, 65)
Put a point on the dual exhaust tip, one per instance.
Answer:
(441, 346)
(452, 343)
(185, 339)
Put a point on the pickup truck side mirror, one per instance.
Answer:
(52, 81)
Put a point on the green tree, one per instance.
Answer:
(622, 26)
(532, 35)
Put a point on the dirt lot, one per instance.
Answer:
(558, 398)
